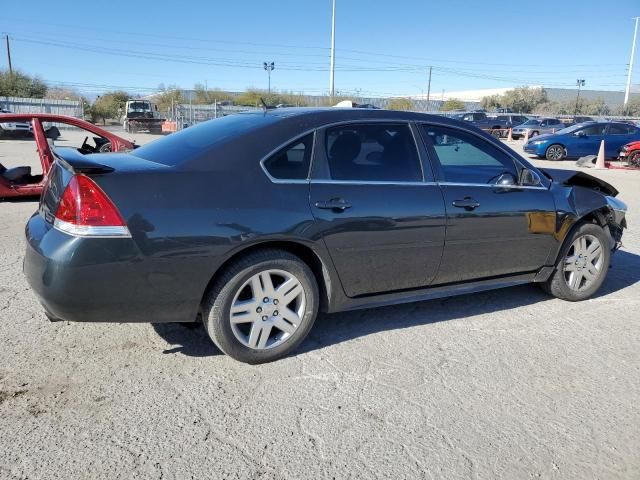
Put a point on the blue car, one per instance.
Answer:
(583, 139)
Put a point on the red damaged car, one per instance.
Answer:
(20, 182)
(631, 153)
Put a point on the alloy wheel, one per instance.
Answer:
(267, 309)
(583, 262)
(555, 152)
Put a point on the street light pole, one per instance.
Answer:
(269, 66)
(633, 51)
(333, 50)
(429, 87)
(580, 82)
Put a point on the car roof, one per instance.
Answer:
(317, 116)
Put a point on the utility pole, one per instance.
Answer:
(429, 86)
(6, 37)
(633, 51)
(333, 50)
(269, 66)
(580, 82)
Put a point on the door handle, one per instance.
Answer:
(467, 203)
(333, 204)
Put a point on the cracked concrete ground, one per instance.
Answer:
(507, 384)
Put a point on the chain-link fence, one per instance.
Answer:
(72, 108)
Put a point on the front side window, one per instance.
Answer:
(593, 130)
(372, 152)
(291, 162)
(465, 158)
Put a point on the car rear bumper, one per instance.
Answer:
(97, 279)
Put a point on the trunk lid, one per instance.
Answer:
(70, 162)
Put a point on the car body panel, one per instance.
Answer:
(189, 220)
(10, 189)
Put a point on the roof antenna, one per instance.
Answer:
(265, 107)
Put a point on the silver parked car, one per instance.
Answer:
(537, 126)
(14, 128)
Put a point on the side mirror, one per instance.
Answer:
(529, 178)
(505, 179)
(581, 134)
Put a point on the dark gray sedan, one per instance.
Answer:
(253, 223)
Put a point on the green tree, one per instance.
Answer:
(400, 104)
(452, 104)
(491, 102)
(18, 84)
(169, 96)
(204, 96)
(521, 99)
(108, 106)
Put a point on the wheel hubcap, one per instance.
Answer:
(267, 309)
(583, 263)
(555, 153)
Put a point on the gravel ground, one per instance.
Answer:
(505, 384)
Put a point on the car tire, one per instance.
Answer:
(634, 159)
(496, 133)
(533, 134)
(562, 284)
(241, 286)
(555, 152)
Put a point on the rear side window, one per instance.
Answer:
(372, 152)
(465, 158)
(291, 162)
(620, 129)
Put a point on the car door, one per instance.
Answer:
(494, 225)
(382, 223)
(587, 140)
(617, 135)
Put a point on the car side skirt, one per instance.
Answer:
(442, 291)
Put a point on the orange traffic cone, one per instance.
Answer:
(526, 136)
(600, 159)
(509, 137)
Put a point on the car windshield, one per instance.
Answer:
(139, 107)
(194, 141)
(531, 122)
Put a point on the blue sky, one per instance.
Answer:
(382, 48)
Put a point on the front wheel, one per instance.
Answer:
(554, 152)
(582, 265)
(634, 159)
(262, 307)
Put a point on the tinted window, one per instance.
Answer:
(194, 141)
(620, 129)
(373, 152)
(292, 162)
(465, 158)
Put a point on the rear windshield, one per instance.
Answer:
(194, 141)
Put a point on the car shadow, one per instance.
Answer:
(191, 339)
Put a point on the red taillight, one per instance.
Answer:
(85, 210)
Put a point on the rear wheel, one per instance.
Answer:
(582, 265)
(495, 132)
(262, 307)
(533, 134)
(555, 152)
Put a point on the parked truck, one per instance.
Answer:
(496, 126)
(142, 115)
